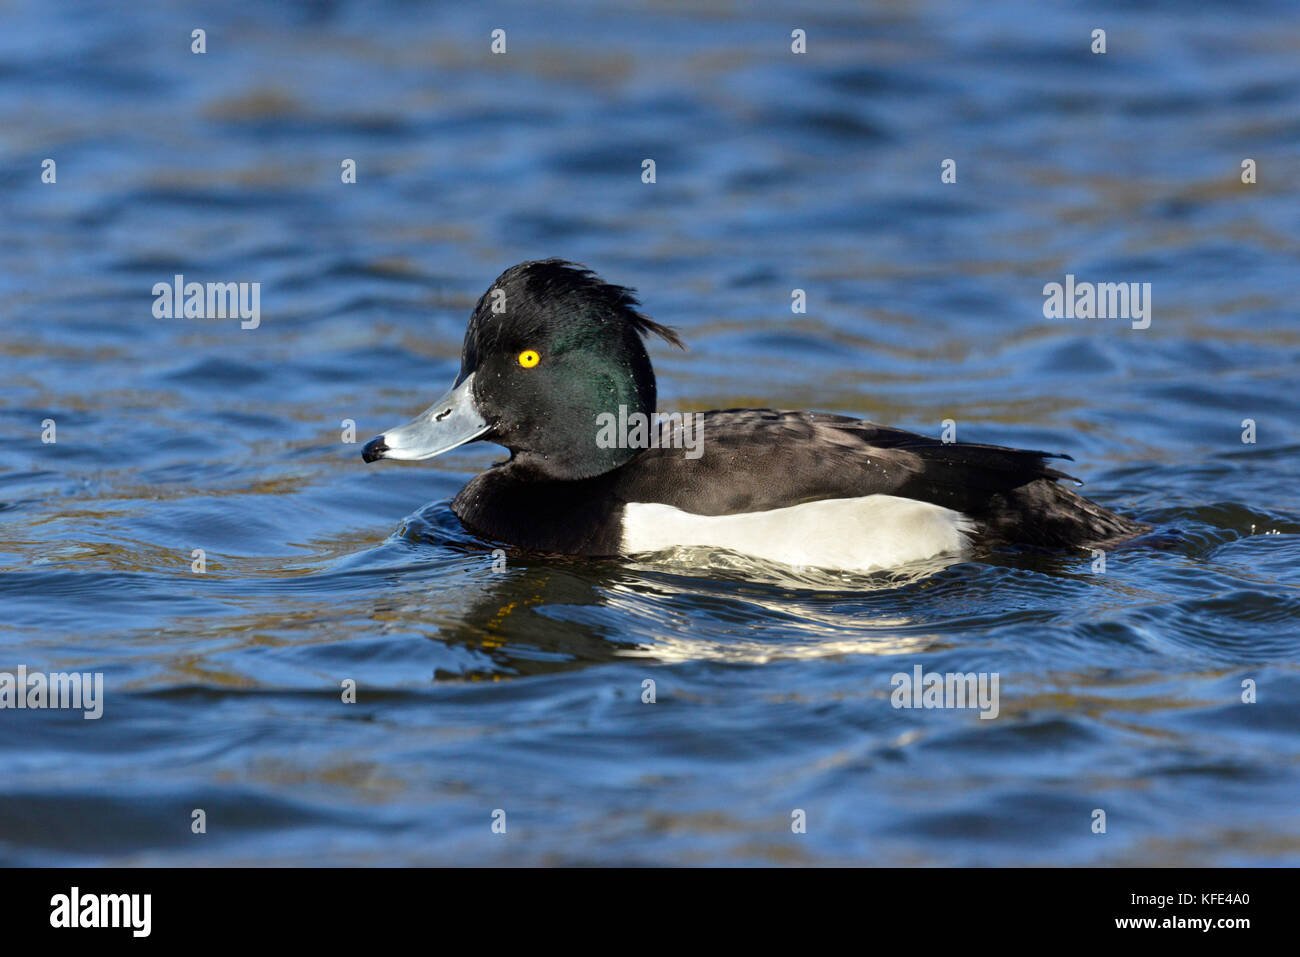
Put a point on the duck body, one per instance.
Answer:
(802, 488)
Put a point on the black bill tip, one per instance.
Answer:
(374, 449)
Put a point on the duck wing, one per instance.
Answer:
(752, 460)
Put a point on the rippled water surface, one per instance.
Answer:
(521, 689)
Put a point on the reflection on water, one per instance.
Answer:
(481, 686)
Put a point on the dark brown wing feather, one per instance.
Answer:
(759, 459)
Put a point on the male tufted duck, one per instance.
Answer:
(552, 351)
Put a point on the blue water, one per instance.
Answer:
(520, 689)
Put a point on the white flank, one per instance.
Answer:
(871, 533)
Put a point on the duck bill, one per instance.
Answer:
(451, 421)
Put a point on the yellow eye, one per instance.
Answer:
(528, 358)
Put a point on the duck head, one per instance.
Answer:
(549, 348)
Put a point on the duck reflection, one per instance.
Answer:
(536, 618)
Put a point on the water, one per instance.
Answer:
(521, 689)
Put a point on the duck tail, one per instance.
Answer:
(1045, 514)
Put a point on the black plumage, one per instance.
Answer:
(754, 460)
(564, 491)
